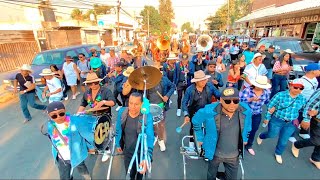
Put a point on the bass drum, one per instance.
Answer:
(102, 132)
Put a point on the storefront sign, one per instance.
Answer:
(295, 20)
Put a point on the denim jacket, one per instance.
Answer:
(122, 115)
(81, 138)
(211, 120)
(178, 73)
(118, 82)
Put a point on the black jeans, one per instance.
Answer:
(181, 90)
(116, 94)
(313, 141)
(65, 169)
(134, 174)
(231, 166)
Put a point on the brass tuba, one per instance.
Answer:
(205, 42)
(163, 42)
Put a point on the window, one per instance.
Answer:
(39, 59)
(83, 51)
(72, 54)
(57, 58)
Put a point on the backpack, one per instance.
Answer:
(78, 62)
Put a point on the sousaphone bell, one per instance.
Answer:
(205, 42)
(163, 42)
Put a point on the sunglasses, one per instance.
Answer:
(94, 83)
(301, 88)
(80, 56)
(55, 116)
(228, 101)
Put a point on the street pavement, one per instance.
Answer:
(26, 153)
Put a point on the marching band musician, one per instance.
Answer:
(169, 67)
(196, 97)
(184, 72)
(69, 148)
(128, 126)
(118, 78)
(227, 126)
(215, 77)
(160, 95)
(199, 60)
(96, 97)
(138, 61)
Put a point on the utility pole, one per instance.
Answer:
(148, 22)
(228, 20)
(118, 20)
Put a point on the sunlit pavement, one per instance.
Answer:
(26, 153)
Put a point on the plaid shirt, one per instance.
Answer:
(312, 104)
(287, 108)
(256, 106)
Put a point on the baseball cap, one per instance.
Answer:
(272, 47)
(312, 67)
(262, 45)
(230, 93)
(296, 83)
(54, 106)
(120, 64)
(211, 62)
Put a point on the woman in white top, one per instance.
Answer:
(220, 68)
(71, 73)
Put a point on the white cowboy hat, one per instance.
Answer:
(199, 76)
(92, 77)
(26, 67)
(46, 72)
(256, 55)
(289, 51)
(261, 82)
(172, 56)
(128, 71)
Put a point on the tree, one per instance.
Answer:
(187, 26)
(101, 9)
(154, 19)
(166, 15)
(77, 14)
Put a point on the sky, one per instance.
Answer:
(193, 11)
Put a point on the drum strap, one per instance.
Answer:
(59, 134)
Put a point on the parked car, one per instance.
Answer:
(247, 39)
(45, 58)
(303, 52)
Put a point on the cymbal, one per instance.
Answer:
(97, 109)
(151, 74)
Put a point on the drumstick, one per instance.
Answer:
(183, 124)
(159, 94)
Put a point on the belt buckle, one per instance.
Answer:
(286, 121)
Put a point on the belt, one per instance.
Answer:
(286, 121)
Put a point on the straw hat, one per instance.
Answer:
(92, 77)
(172, 56)
(128, 71)
(46, 72)
(26, 67)
(289, 51)
(261, 82)
(199, 76)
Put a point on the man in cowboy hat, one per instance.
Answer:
(98, 68)
(255, 96)
(228, 123)
(97, 96)
(254, 69)
(53, 84)
(26, 91)
(169, 67)
(197, 96)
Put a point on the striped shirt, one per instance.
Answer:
(312, 104)
(256, 106)
(287, 108)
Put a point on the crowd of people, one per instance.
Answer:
(229, 108)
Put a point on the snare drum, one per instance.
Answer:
(157, 113)
(102, 131)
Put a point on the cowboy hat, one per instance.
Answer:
(26, 67)
(172, 56)
(92, 77)
(289, 51)
(128, 71)
(46, 72)
(95, 62)
(261, 82)
(256, 55)
(199, 76)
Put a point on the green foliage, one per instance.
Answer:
(187, 26)
(166, 14)
(77, 14)
(154, 19)
(101, 9)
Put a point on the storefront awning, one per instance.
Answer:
(299, 6)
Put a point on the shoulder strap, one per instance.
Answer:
(59, 134)
(310, 83)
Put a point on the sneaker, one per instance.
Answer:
(317, 164)
(77, 93)
(292, 139)
(162, 145)
(155, 140)
(278, 158)
(294, 150)
(206, 159)
(118, 108)
(26, 121)
(178, 112)
(175, 92)
(74, 97)
(304, 136)
(259, 140)
(251, 151)
(106, 155)
(66, 98)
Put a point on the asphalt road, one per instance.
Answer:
(26, 153)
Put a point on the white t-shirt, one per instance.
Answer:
(53, 85)
(63, 149)
(310, 86)
(253, 71)
(104, 58)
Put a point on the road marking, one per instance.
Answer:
(3, 125)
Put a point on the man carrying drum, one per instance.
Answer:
(97, 97)
(69, 148)
(128, 127)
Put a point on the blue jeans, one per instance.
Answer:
(269, 74)
(230, 84)
(278, 80)
(256, 120)
(29, 98)
(283, 129)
